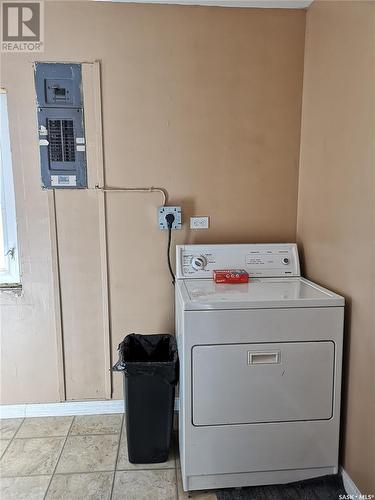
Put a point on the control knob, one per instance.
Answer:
(285, 260)
(199, 262)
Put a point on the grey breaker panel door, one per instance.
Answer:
(254, 383)
(61, 125)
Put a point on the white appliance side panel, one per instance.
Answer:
(254, 383)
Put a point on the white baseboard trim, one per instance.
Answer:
(61, 409)
(65, 408)
(349, 485)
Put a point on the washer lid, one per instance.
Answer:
(258, 293)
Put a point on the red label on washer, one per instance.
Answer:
(231, 276)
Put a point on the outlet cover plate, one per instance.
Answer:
(199, 222)
(163, 211)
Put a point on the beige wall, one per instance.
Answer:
(203, 101)
(336, 209)
(29, 350)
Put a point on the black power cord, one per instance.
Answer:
(170, 219)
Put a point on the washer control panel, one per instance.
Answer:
(259, 260)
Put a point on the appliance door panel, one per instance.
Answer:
(270, 382)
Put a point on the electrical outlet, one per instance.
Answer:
(199, 222)
(163, 211)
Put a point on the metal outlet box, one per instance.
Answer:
(163, 211)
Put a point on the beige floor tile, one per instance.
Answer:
(35, 456)
(3, 445)
(197, 495)
(89, 454)
(89, 486)
(24, 488)
(124, 464)
(44, 427)
(145, 485)
(9, 426)
(96, 424)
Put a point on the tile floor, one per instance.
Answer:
(82, 457)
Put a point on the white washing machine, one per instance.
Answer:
(260, 368)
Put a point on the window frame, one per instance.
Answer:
(10, 275)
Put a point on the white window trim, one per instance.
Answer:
(11, 275)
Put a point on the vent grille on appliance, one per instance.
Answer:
(61, 140)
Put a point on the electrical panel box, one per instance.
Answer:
(61, 128)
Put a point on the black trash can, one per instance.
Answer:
(150, 367)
